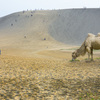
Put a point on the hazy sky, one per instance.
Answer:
(11, 6)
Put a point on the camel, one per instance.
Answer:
(91, 42)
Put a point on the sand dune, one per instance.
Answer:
(67, 26)
(27, 30)
(39, 30)
(72, 26)
(35, 60)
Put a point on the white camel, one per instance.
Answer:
(91, 42)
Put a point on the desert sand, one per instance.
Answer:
(35, 60)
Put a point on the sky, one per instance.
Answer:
(12, 6)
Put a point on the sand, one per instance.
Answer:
(47, 76)
(69, 26)
(35, 60)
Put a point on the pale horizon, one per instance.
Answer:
(10, 6)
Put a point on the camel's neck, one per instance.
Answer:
(81, 50)
(78, 52)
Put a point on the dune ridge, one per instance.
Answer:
(47, 29)
(35, 60)
(62, 25)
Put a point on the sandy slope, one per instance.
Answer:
(68, 26)
(50, 76)
(27, 31)
(35, 65)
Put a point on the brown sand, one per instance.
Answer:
(38, 67)
(49, 75)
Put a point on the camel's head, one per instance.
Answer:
(74, 55)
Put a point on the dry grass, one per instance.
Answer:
(49, 76)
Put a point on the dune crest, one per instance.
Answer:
(51, 28)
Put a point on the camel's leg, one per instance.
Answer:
(91, 54)
(89, 51)
(88, 56)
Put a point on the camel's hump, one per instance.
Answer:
(90, 34)
(98, 34)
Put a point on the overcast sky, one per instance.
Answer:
(11, 6)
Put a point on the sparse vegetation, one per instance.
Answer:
(97, 58)
(38, 78)
(69, 49)
(23, 11)
(44, 38)
(11, 24)
(15, 20)
(24, 36)
(74, 60)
